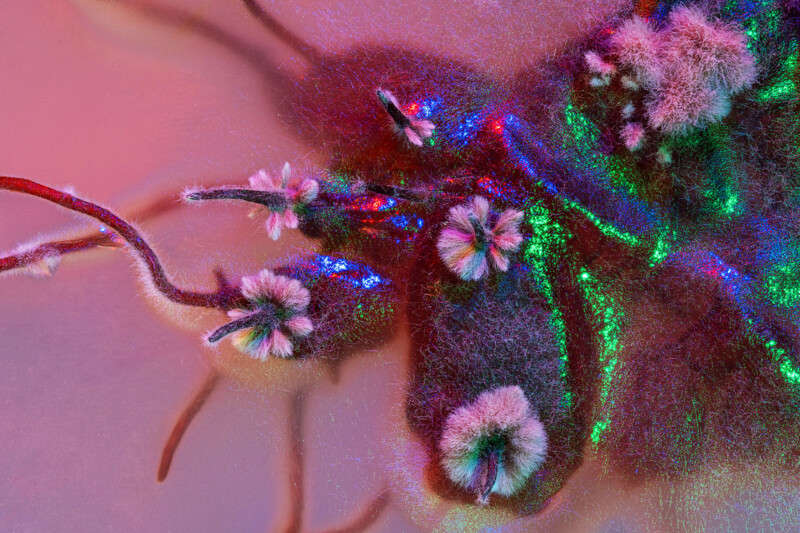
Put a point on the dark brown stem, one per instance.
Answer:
(272, 200)
(281, 32)
(56, 248)
(182, 424)
(219, 300)
(264, 318)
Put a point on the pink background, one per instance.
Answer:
(92, 375)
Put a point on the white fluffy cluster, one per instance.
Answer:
(505, 412)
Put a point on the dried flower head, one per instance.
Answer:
(275, 314)
(711, 52)
(298, 192)
(691, 68)
(413, 129)
(493, 444)
(637, 46)
(472, 233)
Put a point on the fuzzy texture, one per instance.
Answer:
(690, 69)
(414, 130)
(461, 249)
(290, 299)
(503, 412)
(637, 45)
(485, 337)
(298, 191)
(633, 135)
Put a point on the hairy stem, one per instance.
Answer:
(219, 300)
(263, 317)
(274, 200)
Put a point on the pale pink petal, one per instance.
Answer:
(412, 136)
(300, 326)
(480, 206)
(286, 174)
(273, 224)
(290, 218)
(280, 345)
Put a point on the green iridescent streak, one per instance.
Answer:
(785, 88)
(787, 369)
(782, 284)
(583, 136)
(548, 242)
(608, 314)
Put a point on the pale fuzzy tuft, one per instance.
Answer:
(682, 108)
(299, 191)
(598, 66)
(43, 268)
(637, 46)
(664, 156)
(501, 412)
(629, 83)
(633, 136)
(300, 326)
(691, 68)
(711, 51)
(599, 81)
(281, 290)
(264, 288)
(628, 110)
(458, 246)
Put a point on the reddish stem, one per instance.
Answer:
(222, 299)
(281, 32)
(183, 422)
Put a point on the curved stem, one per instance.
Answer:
(222, 299)
(281, 32)
(88, 241)
(182, 424)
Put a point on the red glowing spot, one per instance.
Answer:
(413, 109)
(497, 126)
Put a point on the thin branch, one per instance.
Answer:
(182, 424)
(281, 32)
(222, 299)
(88, 241)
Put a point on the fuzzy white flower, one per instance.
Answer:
(494, 444)
(472, 234)
(298, 192)
(413, 129)
(276, 313)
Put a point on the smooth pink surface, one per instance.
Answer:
(92, 376)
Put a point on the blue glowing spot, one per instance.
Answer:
(359, 275)
(390, 203)
(370, 281)
(420, 223)
(428, 107)
(467, 128)
(103, 229)
(400, 221)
